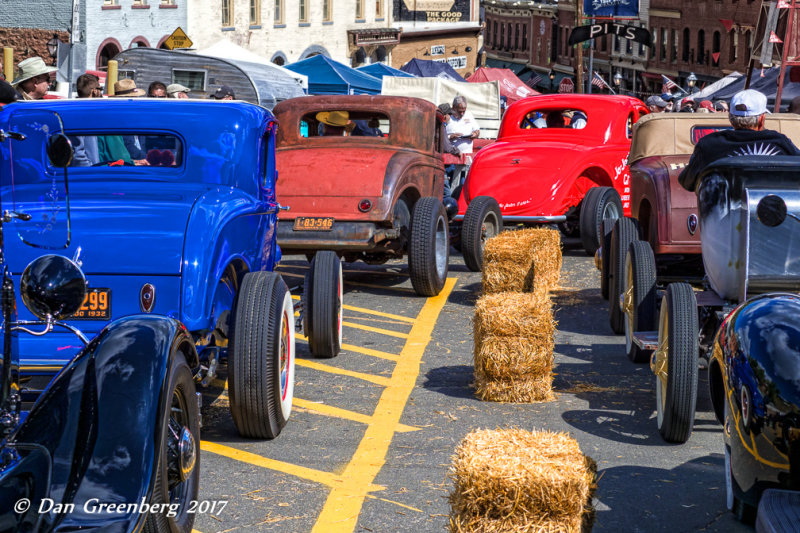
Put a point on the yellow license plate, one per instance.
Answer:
(313, 223)
(96, 306)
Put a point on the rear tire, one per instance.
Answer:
(181, 412)
(429, 250)
(605, 254)
(482, 221)
(322, 306)
(675, 363)
(622, 236)
(600, 203)
(639, 297)
(261, 356)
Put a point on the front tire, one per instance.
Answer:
(178, 469)
(261, 356)
(675, 363)
(429, 250)
(322, 306)
(639, 297)
(624, 233)
(482, 221)
(600, 203)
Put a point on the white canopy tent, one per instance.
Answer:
(228, 50)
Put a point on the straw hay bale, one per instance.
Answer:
(508, 357)
(517, 480)
(514, 314)
(521, 389)
(522, 260)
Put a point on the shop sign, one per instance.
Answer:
(437, 49)
(432, 10)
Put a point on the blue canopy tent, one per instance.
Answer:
(326, 76)
(379, 70)
(431, 69)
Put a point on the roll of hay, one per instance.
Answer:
(513, 347)
(522, 260)
(517, 480)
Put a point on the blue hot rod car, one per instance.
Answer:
(173, 212)
(120, 422)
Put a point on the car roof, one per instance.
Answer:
(187, 117)
(664, 134)
(615, 107)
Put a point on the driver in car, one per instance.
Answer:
(748, 137)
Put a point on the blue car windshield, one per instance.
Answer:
(155, 150)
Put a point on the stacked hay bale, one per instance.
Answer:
(514, 340)
(516, 480)
(513, 328)
(522, 261)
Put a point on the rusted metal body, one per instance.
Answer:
(336, 176)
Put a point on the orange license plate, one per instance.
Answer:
(313, 223)
(96, 306)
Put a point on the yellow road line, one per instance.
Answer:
(369, 351)
(394, 502)
(377, 380)
(343, 506)
(336, 412)
(376, 286)
(388, 332)
(326, 478)
(379, 313)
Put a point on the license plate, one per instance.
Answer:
(313, 223)
(96, 306)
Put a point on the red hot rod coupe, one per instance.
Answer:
(559, 159)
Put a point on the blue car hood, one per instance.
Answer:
(128, 228)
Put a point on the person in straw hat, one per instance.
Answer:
(33, 78)
(126, 88)
(334, 123)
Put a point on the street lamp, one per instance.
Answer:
(552, 76)
(52, 47)
(617, 79)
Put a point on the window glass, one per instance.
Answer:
(192, 79)
(341, 123)
(560, 118)
(129, 149)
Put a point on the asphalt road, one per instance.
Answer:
(372, 432)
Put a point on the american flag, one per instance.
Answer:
(598, 81)
(668, 83)
(533, 81)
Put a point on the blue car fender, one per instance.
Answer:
(101, 420)
(227, 227)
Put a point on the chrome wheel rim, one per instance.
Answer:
(440, 242)
(488, 229)
(660, 362)
(627, 303)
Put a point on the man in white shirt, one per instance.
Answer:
(462, 128)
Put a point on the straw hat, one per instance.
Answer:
(127, 87)
(339, 119)
(30, 68)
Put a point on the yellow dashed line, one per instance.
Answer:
(378, 380)
(376, 286)
(343, 506)
(388, 332)
(379, 313)
(394, 502)
(358, 349)
(318, 476)
(336, 412)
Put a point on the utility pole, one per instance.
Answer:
(579, 51)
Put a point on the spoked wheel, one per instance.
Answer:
(261, 356)
(600, 203)
(624, 233)
(675, 363)
(178, 470)
(639, 296)
(322, 306)
(429, 249)
(482, 221)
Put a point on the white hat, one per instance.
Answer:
(176, 88)
(748, 103)
(30, 68)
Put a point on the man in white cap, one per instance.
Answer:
(33, 78)
(176, 90)
(748, 137)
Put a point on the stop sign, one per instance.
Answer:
(566, 86)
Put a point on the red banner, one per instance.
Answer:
(727, 23)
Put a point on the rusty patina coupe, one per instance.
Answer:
(372, 190)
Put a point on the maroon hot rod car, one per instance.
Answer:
(559, 159)
(369, 190)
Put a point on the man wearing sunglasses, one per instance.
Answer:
(33, 78)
